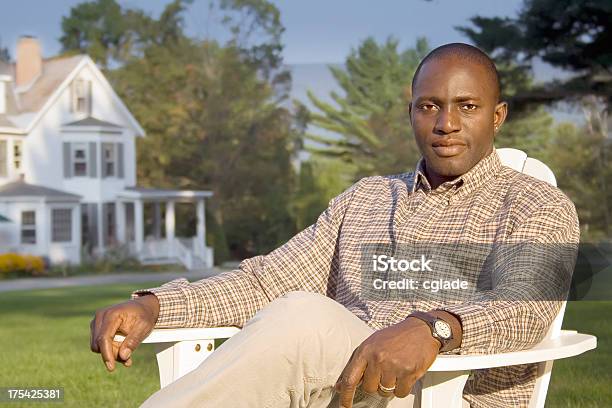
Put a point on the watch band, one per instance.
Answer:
(431, 322)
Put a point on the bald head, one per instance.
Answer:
(467, 53)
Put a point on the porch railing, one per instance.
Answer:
(190, 252)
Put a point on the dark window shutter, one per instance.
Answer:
(120, 160)
(103, 160)
(67, 161)
(93, 160)
(92, 209)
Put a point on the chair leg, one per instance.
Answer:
(443, 389)
(165, 363)
(174, 360)
(541, 386)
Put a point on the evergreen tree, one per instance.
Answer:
(572, 35)
(370, 126)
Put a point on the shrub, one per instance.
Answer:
(21, 264)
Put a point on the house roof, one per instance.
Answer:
(20, 188)
(6, 122)
(27, 104)
(159, 194)
(24, 103)
(91, 121)
(54, 72)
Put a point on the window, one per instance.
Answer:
(81, 96)
(3, 159)
(28, 227)
(17, 154)
(109, 159)
(61, 225)
(79, 159)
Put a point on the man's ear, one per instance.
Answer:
(410, 112)
(499, 116)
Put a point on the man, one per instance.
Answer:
(312, 333)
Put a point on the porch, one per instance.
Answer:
(161, 244)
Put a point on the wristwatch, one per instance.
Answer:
(440, 329)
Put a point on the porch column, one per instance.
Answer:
(138, 225)
(170, 223)
(121, 235)
(201, 227)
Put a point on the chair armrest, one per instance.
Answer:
(179, 351)
(569, 343)
(176, 335)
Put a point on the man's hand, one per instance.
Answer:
(396, 356)
(135, 319)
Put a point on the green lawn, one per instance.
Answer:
(44, 342)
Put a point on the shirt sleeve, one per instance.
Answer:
(306, 262)
(531, 278)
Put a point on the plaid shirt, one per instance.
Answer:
(489, 203)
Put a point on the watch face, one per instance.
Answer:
(443, 329)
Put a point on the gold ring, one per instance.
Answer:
(386, 389)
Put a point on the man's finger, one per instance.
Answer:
(92, 343)
(349, 380)
(339, 381)
(387, 380)
(137, 334)
(94, 328)
(371, 378)
(404, 385)
(105, 340)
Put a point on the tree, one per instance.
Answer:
(95, 28)
(111, 35)
(319, 180)
(5, 55)
(370, 125)
(572, 35)
(255, 19)
(212, 121)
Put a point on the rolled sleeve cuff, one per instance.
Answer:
(172, 303)
(476, 325)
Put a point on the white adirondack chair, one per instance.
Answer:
(179, 351)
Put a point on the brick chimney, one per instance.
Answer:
(29, 60)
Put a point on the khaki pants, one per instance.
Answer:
(290, 354)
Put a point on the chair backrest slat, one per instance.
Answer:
(518, 160)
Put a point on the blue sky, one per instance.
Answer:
(317, 31)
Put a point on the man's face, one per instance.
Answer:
(454, 115)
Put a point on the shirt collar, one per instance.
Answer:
(483, 171)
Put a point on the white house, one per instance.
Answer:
(68, 168)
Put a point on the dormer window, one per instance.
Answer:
(81, 96)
